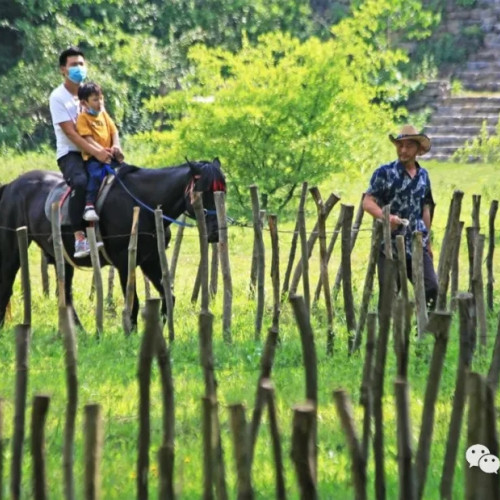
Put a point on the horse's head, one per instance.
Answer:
(206, 177)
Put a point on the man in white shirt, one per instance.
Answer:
(64, 109)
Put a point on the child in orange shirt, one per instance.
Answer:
(96, 126)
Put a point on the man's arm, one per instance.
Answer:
(100, 153)
(371, 206)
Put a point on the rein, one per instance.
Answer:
(111, 171)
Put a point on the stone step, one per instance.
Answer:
(482, 65)
(468, 130)
(478, 76)
(449, 140)
(472, 100)
(470, 110)
(464, 120)
(485, 54)
(444, 150)
(435, 157)
(482, 87)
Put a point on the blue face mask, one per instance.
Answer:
(77, 74)
(92, 112)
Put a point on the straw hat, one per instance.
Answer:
(411, 133)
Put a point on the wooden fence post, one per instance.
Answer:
(241, 451)
(203, 238)
(417, 266)
(478, 289)
(329, 204)
(324, 267)
(275, 269)
(146, 354)
(494, 371)
(165, 275)
(22, 347)
(96, 266)
(358, 463)
(227, 283)
(471, 233)
(93, 435)
(67, 328)
(346, 272)
(476, 206)
(467, 333)
(130, 293)
(38, 417)
(385, 313)
(109, 296)
(481, 430)
(58, 253)
(308, 348)
(22, 241)
(302, 318)
(268, 391)
(354, 236)
(368, 286)
(214, 269)
(491, 251)
(439, 324)
(166, 453)
(366, 393)
(208, 466)
(402, 271)
(406, 476)
(177, 248)
(455, 268)
(291, 258)
(331, 245)
(260, 256)
(447, 250)
(266, 364)
(303, 455)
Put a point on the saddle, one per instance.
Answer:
(61, 193)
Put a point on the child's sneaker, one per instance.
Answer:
(90, 214)
(82, 248)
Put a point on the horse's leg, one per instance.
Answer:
(121, 263)
(9, 265)
(68, 292)
(152, 269)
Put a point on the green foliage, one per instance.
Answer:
(484, 147)
(282, 112)
(285, 111)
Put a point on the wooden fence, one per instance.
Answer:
(395, 314)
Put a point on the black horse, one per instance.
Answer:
(22, 204)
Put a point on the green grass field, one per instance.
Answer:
(107, 369)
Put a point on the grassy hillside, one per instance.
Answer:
(107, 370)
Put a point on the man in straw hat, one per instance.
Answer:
(405, 185)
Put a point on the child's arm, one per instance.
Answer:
(93, 142)
(116, 149)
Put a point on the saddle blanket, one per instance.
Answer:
(61, 194)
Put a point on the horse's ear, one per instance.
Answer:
(193, 167)
(216, 162)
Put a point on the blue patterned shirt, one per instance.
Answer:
(391, 184)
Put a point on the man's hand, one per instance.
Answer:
(103, 156)
(395, 221)
(117, 154)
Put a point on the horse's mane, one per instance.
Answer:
(2, 187)
(211, 170)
